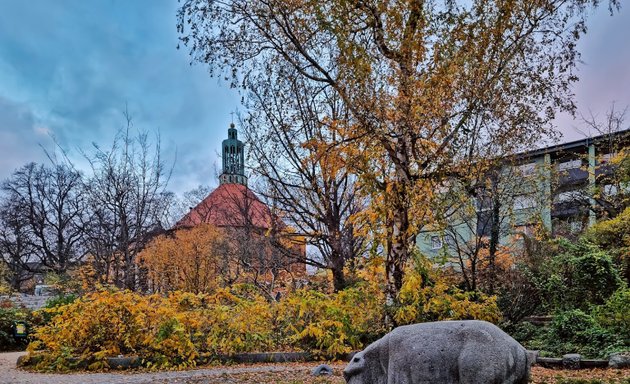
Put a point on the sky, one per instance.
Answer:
(70, 68)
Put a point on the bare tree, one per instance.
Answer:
(485, 211)
(612, 170)
(45, 208)
(15, 243)
(288, 130)
(128, 202)
(187, 201)
(261, 251)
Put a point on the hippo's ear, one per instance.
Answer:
(356, 365)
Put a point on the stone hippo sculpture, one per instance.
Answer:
(444, 352)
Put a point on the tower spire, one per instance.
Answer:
(233, 171)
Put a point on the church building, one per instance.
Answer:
(261, 240)
(232, 204)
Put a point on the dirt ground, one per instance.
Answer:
(292, 373)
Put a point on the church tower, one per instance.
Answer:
(233, 160)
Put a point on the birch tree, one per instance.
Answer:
(428, 84)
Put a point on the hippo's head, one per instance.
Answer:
(354, 371)
(370, 365)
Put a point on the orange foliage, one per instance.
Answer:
(191, 260)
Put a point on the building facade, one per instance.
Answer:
(563, 188)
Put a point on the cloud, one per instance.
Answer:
(69, 68)
(77, 65)
(21, 138)
(604, 73)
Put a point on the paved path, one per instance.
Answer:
(9, 374)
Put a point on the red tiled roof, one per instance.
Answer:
(230, 205)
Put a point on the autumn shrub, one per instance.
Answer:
(111, 323)
(181, 329)
(226, 323)
(168, 332)
(428, 296)
(518, 296)
(331, 324)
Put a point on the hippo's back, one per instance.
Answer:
(455, 352)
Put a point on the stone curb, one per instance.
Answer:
(289, 357)
(136, 362)
(570, 361)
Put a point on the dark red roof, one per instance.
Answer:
(230, 205)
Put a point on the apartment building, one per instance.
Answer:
(565, 188)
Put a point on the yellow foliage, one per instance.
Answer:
(104, 324)
(189, 260)
(438, 300)
(5, 288)
(178, 330)
(331, 324)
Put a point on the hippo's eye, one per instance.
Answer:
(356, 359)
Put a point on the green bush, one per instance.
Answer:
(614, 236)
(580, 275)
(60, 300)
(577, 331)
(9, 314)
(614, 315)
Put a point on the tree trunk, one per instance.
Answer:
(16, 282)
(130, 272)
(337, 258)
(339, 278)
(399, 245)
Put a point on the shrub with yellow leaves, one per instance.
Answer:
(331, 324)
(426, 295)
(111, 323)
(179, 330)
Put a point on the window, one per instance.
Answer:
(567, 196)
(576, 226)
(524, 202)
(610, 190)
(566, 165)
(483, 203)
(484, 223)
(436, 242)
(605, 158)
(524, 229)
(527, 169)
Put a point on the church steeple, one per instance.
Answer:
(233, 159)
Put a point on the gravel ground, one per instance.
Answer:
(234, 374)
